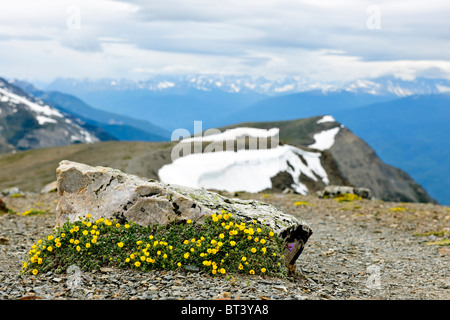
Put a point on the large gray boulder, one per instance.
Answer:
(110, 193)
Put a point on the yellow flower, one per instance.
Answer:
(58, 244)
(94, 240)
(88, 215)
(93, 231)
(50, 248)
(179, 264)
(155, 243)
(150, 237)
(213, 271)
(263, 250)
(76, 241)
(76, 229)
(132, 256)
(252, 271)
(164, 256)
(189, 221)
(142, 258)
(137, 264)
(256, 239)
(88, 224)
(88, 245)
(40, 261)
(222, 270)
(63, 235)
(71, 240)
(50, 238)
(271, 233)
(244, 258)
(186, 255)
(221, 236)
(127, 226)
(253, 250)
(85, 232)
(241, 266)
(127, 260)
(232, 243)
(117, 225)
(186, 242)
(192, 249)
(139, 242)
(258, 230)
(25, 265)
(263, 270)
(35, 272)
(78, 248)
(158, 253)
(249, 238)
(40, 241)
(263, 241)
(226, 216)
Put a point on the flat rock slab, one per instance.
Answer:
(109, 193)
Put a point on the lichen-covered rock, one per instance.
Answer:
(332, 191)
(109, 193)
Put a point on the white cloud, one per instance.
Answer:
(317, 40)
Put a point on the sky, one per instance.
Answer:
(315, 40)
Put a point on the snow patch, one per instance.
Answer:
(35, 107)
(244, 170)
(285, 88)
(165, 85)
(325, 139)
(326, 118)
(43, 120)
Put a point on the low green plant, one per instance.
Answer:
(32, 211)
(347, 197)
(220, 245)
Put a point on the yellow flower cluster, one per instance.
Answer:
(221, 244)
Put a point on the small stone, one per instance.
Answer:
(4, 240)
(281, 288)
(106, 269)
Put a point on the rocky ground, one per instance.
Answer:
(359, 250)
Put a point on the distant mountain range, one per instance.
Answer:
(120, 126)
(315, 152)
(28, 123)
(406, 122)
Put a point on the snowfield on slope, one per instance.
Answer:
(244, 170)
(324, 140)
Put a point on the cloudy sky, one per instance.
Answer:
(325, 40)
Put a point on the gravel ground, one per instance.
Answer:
(361, 250)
